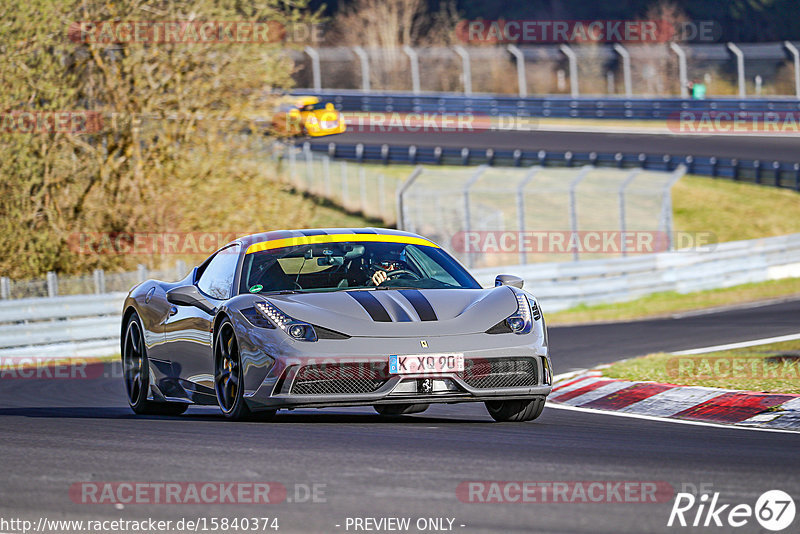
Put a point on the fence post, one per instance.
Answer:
(413, 58)
(180, 269)
(776, 166)
(522, 83)
(573, 208)
(99, 281)
(141, 272)
(345, 185)
(315, 70)
(573, 69)
(292, 164)
(364, 60)
(401, 222)
(739, 67)
(5, 287)
(309, 165)
(523, 256)
(621, 194)
(52, 284)
(362, 183)
(467, 215)
(382, 196)
(797, 177)
(666, 206)
(626, 68)
(466, 68)
(796, 60)
(682, 70)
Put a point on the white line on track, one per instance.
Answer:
(742, 344)
(664, 419)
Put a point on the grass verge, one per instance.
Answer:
(773, 368)
(660, 304)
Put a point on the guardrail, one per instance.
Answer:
(561, 286)
(88, 325)
(772, 173)
(549, 106)
(61, 327)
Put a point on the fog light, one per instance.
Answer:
(516, 324)
(297, 331)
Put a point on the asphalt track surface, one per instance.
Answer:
(54, 433)
(774, 148)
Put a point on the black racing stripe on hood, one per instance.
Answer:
(421, 305)
(373, 307)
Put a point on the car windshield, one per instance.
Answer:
(352, 265)
(313, 107)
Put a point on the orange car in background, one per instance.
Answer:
(305, 115)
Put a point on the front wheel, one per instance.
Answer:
(515, 410)
(136, 370)
(228, 377)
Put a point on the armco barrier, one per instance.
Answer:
(550, 106)
(76, 325)
(563, 285)
(772, 173)
(88, 325)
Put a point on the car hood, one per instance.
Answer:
(401, 313)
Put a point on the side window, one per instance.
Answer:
(217, 278)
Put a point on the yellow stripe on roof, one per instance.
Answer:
(338, 238)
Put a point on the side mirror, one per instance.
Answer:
(190, 296)
(329, 106)
(508, 280)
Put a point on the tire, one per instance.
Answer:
(400, 409)
(136, 373)
(228, 377)
(515, 410)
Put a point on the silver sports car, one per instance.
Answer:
(334, 317)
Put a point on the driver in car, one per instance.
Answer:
(384, 267)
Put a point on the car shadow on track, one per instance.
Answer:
(211, 416)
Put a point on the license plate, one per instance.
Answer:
(428, 364)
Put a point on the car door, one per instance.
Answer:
(188, 329)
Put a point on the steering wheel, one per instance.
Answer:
(396, 273)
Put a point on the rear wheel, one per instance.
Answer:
(228, 378)
(400, 409)
(515, 410)
(136, 371)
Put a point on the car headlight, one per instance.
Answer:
(521, 321)
(294, 328)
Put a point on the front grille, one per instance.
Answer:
(500, 373)
(339, 378)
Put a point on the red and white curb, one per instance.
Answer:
(591, 390)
